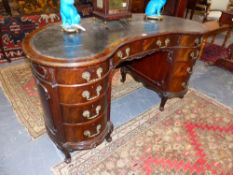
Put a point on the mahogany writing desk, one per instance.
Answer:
(74, 71)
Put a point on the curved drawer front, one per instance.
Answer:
(82, 75)
(177, 84)
(84, 113)
(186, 54)
(143, 47)
(181, 70)
(179, 76)
(190, 40)
(69, 76)
(83, 94)
(85, 131)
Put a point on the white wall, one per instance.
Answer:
(219, 4)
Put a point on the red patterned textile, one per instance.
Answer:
(219, 56)
(14, 29)
(193, 136)
(213, 52)
(230, 51)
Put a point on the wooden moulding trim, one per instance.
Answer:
(98, 58)
(214, 25)
(88, 122)
(84, 103)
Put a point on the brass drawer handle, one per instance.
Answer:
(87, 133)
(166, 42)
(87, 113)
(86, 93)
(99, 72)
(87, 75)
(120, 54)
(189, 70)
(193, 55)
(197, 41)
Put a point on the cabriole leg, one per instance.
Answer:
(162, 103)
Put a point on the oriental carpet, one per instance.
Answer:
(19, 86)
(194, 135)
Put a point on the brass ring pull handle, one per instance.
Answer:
(87, 75)
(189, 70)
(87, 133)
(193, 55)
(166, 42)
(99, 72)
(86, 94)
(127, 53)
(197, 42)
(87, 113)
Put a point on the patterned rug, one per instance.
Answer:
(192, 136)
(13, 31)
(19, 86)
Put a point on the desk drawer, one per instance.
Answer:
(82, 75)
(69, 76)
(75, 94)
(177, 84)
(84, 113)
(186, 55)
(181, 69)
(85, 131)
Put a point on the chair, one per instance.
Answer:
(200, 7)
(215, 10)
(214, 52)
(230, 6)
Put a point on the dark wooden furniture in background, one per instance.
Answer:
(226, 18)
(172, 7)
(6, 6)
(112, 9)
(138, 6)
(74, 71)
(191, 4)
(201, 6)
(175, 8)
(85, 7)
(214, 53)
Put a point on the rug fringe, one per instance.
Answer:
(7, 93)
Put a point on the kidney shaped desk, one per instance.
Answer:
(74, 71)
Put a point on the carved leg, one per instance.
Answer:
(108, 136)
(162, 103)
(123, 74)
(66, 153)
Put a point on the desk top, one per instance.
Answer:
(100, 39)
